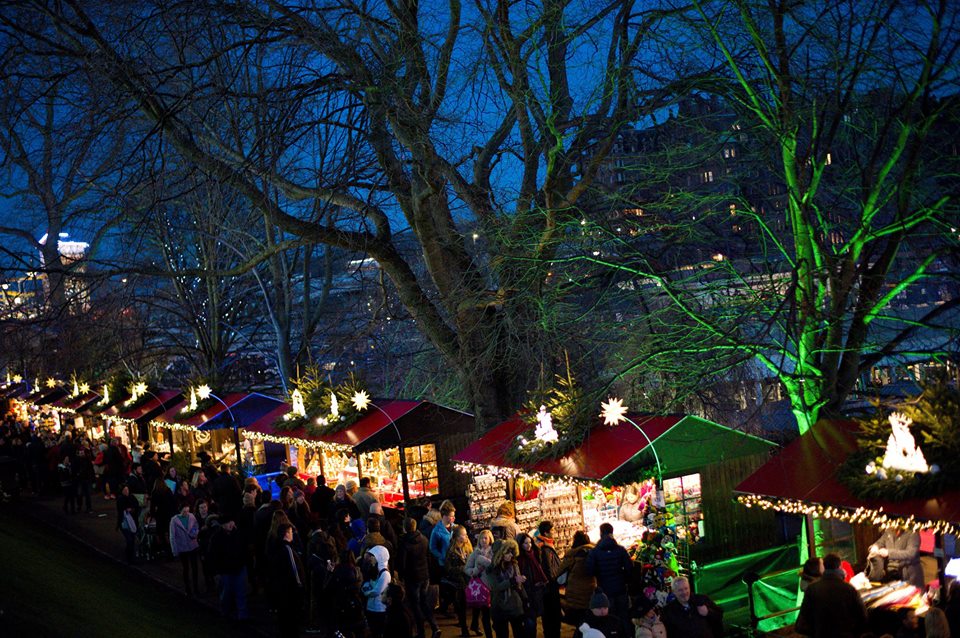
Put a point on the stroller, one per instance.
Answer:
(148, 543)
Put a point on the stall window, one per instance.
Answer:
(684, 500)
(422, 478)
(383, 469)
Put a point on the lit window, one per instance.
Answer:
(422, 478)
(683, 500)
(706, 176)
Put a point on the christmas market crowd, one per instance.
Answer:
(334, 562)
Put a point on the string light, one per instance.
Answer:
(868, 515)
(501, 472)
(298, 442)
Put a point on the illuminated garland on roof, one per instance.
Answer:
(860, 515)
(501, 472)
(290, 440)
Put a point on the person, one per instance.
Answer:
(952, 607)
(455, 574)
(480, 560)
(184, 495)
(348, 602)
(632, 507)
(374, 537)
(414, 570)
(645, 619)
(376, 511)
(321, 498)
(550, 561)
(287, 578)
(504, 524)
(600, 618)
(342, 501)
(227, 560)
(935, 624)
(399, 622)
(811, 572)
(365, 496)
(68, 485)
(373, 589)
(128, 513)
(896, 556)
(293, 479)
(831, 606)
(505, 582)
(162, 508)
(321, 558)
(184, 545)
(534, 581)
(439, 542)
(610, 563)
(580, 582)
(83, 463)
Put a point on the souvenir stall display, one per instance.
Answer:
(383, 469)
(611, 477)
(484, 495)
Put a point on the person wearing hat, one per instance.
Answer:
(600, 618)
(645, 619)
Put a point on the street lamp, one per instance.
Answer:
(613, 411)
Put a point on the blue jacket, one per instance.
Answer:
(611, 565)
(440, 541)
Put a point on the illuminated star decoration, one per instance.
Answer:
(84, 388)
(17, 378)
(140, 389)
(51, 382)
(613, 411)
(203, 392)
(360, 400)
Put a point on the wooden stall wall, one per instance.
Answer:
(730, 529)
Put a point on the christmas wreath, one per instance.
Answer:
(321, 408)
(909, 453)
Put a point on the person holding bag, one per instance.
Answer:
(505, 581)
(184, 531)
(454, 565)
(478, 594)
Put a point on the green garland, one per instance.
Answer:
(572, 418)
(318, 397)
(936, 429)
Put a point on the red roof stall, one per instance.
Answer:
(403, 446)
(803, 478)
(131, 424)
(611, 477)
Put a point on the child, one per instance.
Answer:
(374, 587)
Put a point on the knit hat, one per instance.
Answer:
(506, 509)
(599, 599)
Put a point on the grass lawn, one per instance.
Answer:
(51, 585)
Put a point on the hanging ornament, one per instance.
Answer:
(613, 411)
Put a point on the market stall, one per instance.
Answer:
(131, 421)
(612, 477)
(35, 407)
(177, 430)
(403, 446)
(108, 402)
(805, 479)
(226, 426)
(68, 408)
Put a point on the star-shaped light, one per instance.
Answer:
(84, 388)
(51, 382)
(360, 400)
(139, 389)
(17, 378)
(613, 411)
(203, 392)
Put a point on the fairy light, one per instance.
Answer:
(502, 472)
(862, 514)
(298, 442)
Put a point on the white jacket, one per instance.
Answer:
(374, 589)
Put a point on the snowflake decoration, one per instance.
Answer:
(360, 400)
(613, 411)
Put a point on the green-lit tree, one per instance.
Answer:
(841, 200)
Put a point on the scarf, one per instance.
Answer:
(528, 562)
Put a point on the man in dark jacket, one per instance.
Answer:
(321, 498)
(611, 565)
(228, 560)
(412, 563)
(376, 511)
(689, 616)
(831, 606)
